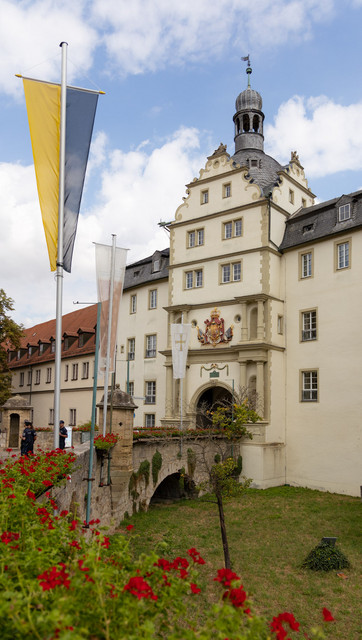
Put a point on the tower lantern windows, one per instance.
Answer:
(256, 124)
(246, 122)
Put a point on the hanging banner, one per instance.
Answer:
(104, 276)
(180, 337)
(43, 107)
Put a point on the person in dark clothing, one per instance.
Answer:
(63, 433)
(28, 438)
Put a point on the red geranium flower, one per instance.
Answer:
(327, 615)
(129, 527)
(236, 596)
(139, 588)
(54, 578)
(195, 555)
(226, 576)
(194, 588)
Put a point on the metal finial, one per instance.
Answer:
(248, 68)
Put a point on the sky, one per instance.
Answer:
(171, 73)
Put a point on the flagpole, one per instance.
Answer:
(59, 273)
(181, 380)
(110, 311)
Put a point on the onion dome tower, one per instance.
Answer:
(249, 138)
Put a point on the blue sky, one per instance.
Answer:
(171, 73)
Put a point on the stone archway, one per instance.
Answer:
(210, 398)
(174, 487)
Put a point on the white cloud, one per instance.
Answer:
(138, 189)
(327, 136)
(31, 31)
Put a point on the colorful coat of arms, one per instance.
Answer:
(215, 331)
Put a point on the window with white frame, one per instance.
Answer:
(233, 229)
(37, 376)
(21, 382)
(231, 272)
(153, 299)
(30, 377)
(205, 196)
(51, 416)
(306, 265)
(150, 392)
(343, 255)
(309, 325)
(49, 375)
(195, 238)
(74, 371)
(131, 348)
(133, 306)
(227, 190)
(309, 386)
(344, 212)
(192, 238)
(52, 346)
(72, 417)
(66, 374)
(200, 237)
(131, 388)
(150, 419)
(151, 346)
(193, 279)
(85, 370)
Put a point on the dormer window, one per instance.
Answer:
(136, 273)
(156, 266)
(344, 212)
(308, 227)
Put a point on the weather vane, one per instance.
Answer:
(248, 68)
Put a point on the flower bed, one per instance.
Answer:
(104, 443)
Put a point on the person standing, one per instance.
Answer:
(63, 433)
(28, 438)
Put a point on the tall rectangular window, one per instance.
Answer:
(51, 416)
(237, 228)
(131, 388)
(21, 382)
(29, 377)
(131, 348)
(189, 279)
(343, 255)
(227, 190)
(133, 307)
(85, 370)
(72, 417)
(150, 420)
(306, 265)
(226, 273)
(66, 375)
(151, 342)
(309, 386)
(74, 371)
(153, 299)
(37, 376)
(192, 238)
(205, 196)
(309, 325)
(344, 212)
(49, 375)
(150, 392)
(198, 278)
(228, 230)
(237, 271)
(200, 237)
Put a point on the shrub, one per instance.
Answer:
(325, 557)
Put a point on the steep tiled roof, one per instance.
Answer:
(321, 221)
(143, 271)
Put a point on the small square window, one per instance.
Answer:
(205, 196)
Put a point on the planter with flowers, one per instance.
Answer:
(103, 444)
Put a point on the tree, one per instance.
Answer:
(230, 420)
(10, 334)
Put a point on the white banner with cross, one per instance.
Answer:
(180, 336)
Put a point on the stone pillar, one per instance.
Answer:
(244, 322)
(260, 325)
(260, 386)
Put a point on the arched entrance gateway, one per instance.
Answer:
(210, 399)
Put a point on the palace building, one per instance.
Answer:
(270, 283)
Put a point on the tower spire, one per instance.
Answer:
(249, 70)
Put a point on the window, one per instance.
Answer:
(304, 203)
(72, 417)
(51, 416)
(85, 370)
(227, 190)
(306, 265)
(231, 272)
(309, 386)
(233, 229)
(29, 377)
(131, 388)
(133, 307)
(343, 255)
(52, 346)
(344, 212)
(195, 238)
(153, 299)
(193, 279)
(156, 266)
(151, 345)
(150, 420)
(131, 348)
(74, 371)
(291, 196)
(150, 393)
(280, 323)
(309, 325)
(49, 375)
(205, 196)
(66, 376)
(21, 383)
(37, 376)
(308, 227)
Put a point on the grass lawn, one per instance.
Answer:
(270, 533)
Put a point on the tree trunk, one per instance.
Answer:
(224, 538)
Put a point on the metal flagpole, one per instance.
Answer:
(59, 273)
(110, 310)
(181, 381)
